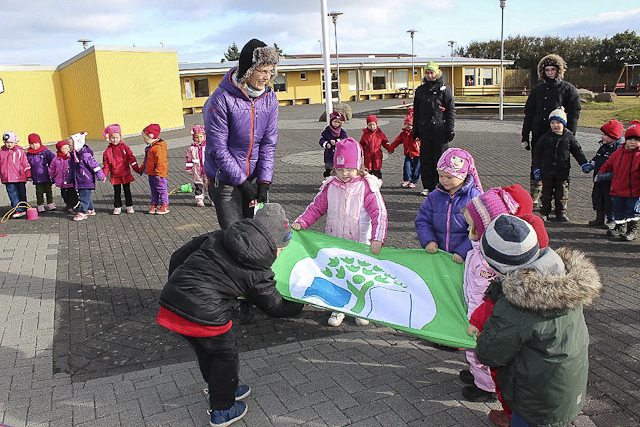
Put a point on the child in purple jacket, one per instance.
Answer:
(83, 170)
(440, 223)
(40, 158)
(59, 172)
(329, 138)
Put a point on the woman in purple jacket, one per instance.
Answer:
(241, 124)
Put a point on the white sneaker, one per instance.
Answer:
(424, 192)
(116, 211)
(200, 202)
(130, 210)
(91, 212)
(40, 208)
(336, 319)
(404, 184)
(361, 322)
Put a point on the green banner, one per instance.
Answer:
(405, 289)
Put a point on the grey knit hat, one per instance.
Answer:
(255, 54)
(272, 217)
(509, 243)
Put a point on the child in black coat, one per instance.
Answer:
(205, 278)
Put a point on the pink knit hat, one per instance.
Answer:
(348, 154)
(487, 206)
(110, 130)
(459, 163)
(198, 129)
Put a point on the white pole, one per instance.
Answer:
(335, 28)
(325, 55)
(413, 82)
(501, 109)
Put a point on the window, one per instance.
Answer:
(1, 86)
(469, 77)
(352, 81)
(334, 85)
(188, 94)
(303, 75)
(379, 80)
(280, 83)
(367, 80)
(390, 80)
(202, 87)
(487, 76)
(402, 79)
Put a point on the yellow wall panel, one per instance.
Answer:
(32, 102)
(138, 88)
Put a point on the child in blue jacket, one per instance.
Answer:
(440, 223)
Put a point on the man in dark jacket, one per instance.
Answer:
(205, 277)
(552, 92)
(537, 336)
(434, 118)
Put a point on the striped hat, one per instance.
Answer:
(488, 205)
(509, 243)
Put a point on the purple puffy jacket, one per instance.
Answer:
(40, 163)
(242, 134)
(83, 169)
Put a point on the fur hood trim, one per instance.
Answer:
(262, 56)
(556, 61)
(532, 290)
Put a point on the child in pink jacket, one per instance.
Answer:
(353, 204)
(14, 172)
(195, 163)
(477, 274)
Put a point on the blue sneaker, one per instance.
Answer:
(242, 392)
(228, 416)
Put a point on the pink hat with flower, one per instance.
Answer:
(459, 163)
(198, 129)
(348, 154)
(487, 206)
(336, 114)
(110, 130)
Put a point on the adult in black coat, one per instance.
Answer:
(552, 92)
(434, 116)
(206, 276)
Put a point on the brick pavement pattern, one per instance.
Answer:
(79, 345)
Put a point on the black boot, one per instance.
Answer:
(632, 231)
(618, 230)
(327, 173)
(598, 221)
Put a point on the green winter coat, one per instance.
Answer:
(538, 339)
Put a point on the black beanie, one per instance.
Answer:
(249, 60)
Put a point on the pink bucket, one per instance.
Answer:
(32, 213)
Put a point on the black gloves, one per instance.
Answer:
(263, 190)
(451, 136)
(248, 190)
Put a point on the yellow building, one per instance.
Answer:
(301, 80)
(101, 85)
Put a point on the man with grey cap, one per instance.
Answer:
(537, 336)
(206, 276)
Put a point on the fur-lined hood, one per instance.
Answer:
(540, 290)
(556, 61)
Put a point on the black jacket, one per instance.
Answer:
(434, 112)
(603, 154)
(551, 154)
(543, 99)
(207, 275)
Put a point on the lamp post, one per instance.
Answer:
(85, 43)
(413, 81)
(451, 43)
(334, 15)
(501, 109)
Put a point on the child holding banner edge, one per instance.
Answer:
(353, 204)
(440, 223)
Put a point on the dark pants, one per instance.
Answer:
(42, 189)
(230, 204)
(70, 197)
(17, 192)
(518, 421)
(117, 195)
(411, 171)
(600, 197)
(557, 189)
(624, 208)
(376, 173)
(219, 363)
(430, 151)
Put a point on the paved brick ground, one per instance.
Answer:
(104, 361)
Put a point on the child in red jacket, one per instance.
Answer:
(411, 171)
(117, 159)
(371, 140)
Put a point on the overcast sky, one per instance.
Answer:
(46, 32)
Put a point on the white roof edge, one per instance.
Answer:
(27, 67)
(113, 49)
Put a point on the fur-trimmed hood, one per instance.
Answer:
(556, 61)
(541, 289)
